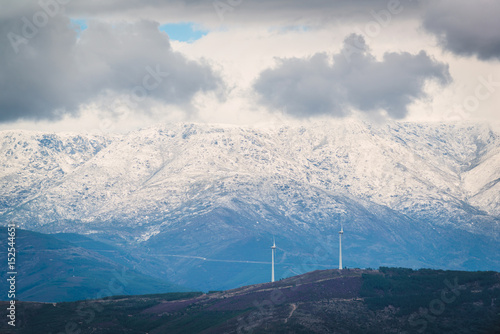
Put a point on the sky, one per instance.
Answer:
(115, 66)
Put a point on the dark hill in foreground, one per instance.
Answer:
(330, 301)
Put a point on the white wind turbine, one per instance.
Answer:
(273, 253)
(340, 245)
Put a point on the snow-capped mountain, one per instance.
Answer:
(198, 189)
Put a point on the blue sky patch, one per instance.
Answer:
(79, 25)
(184, 32)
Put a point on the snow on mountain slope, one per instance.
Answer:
(443, 172)
(31, 162)
(412, 168)
(414, 195)
(482, 183)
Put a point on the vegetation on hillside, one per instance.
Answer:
(388, 300)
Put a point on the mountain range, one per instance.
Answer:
(197, 205)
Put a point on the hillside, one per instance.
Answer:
(388, 300)
(187, 199)
(51, 269)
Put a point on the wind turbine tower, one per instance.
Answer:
(340, 245)
(273, 253)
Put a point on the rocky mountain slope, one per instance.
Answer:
(408, 194)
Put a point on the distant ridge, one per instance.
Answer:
(389, 300)
(55, 268)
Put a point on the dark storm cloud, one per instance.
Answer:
(246, 11)
(47, 71)
(466, 27)
(212, 12)
(324, 85)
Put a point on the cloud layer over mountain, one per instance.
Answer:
(62, 59)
